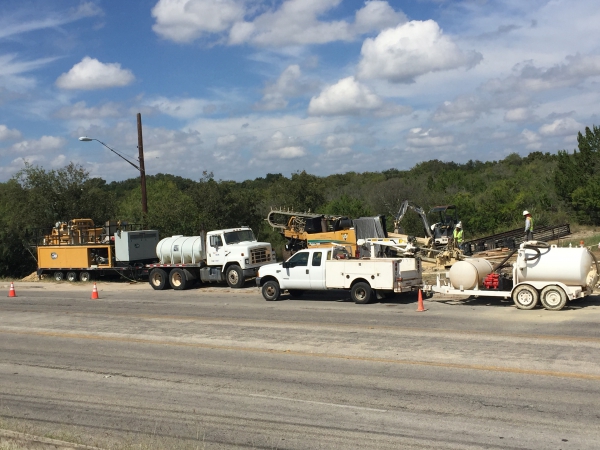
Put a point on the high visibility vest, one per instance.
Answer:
(530, 223)
(458, 235)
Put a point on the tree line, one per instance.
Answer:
(490, 197)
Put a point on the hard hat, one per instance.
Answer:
(459, 225)
(525, 213)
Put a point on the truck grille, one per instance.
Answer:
(260, 255)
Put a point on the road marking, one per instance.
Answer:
(410, 362)
(318, 403)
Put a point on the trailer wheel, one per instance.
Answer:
(525, 297)
(361, 293)
(295, 293)
(58, 276)
(71, 276)
(235, 276)
(178, 280)
(158, 279)
(553, 298)
(271, 291)
(85, 276)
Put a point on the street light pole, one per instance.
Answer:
(140, 167)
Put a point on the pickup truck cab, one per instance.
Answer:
(332, 268)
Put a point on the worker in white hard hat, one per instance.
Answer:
(458, 235)
(528, 226)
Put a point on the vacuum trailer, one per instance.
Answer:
(541, 273)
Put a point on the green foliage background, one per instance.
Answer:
(490, 197)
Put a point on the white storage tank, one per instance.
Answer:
(181, 250)
(469, 273)
(570, 266)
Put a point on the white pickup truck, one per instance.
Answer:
(331, 268)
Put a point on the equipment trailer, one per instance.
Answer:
(541, 272)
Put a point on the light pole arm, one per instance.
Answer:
(87, 139)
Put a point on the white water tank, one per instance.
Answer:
(181, 250)
(570, 266)
(469, 273)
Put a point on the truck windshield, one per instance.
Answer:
(233, 237)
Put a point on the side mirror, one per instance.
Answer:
(285, 265)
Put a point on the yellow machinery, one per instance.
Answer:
(77, 250)
(302, 230)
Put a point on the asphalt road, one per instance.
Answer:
(220, 368)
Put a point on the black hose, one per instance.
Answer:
(500, 265)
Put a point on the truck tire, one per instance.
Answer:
(525, 296)
(178, 280)
(553, 298)
(85, 276)
(271, 291)
(235, 276)
(295, 293)
(58, 276)
(71, 276)
(361, 293)
(158, 279)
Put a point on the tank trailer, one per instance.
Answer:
(541, 273)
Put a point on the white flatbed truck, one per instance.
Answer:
(331, 268)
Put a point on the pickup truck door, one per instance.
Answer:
(297, 274)
(317, 270)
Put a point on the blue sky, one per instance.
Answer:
(242, 88)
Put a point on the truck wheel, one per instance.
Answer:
(71, 276)
(271, 291)
(235, 276)
(525, 296)
(178, 280)
(85, 276)
(553, 298)
(158, 279)
(58, 276)
(361, 293)
(295, 293)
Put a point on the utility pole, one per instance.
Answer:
(142, 169)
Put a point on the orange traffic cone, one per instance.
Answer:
(95, 293)
(11, 291)
(420, 308)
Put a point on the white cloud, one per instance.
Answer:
(337, 145)
(418, 137)
(530, 78)
(227, 141)
(11, 71)
(43, 144)
(464, 107)
(346, 97)
(7, 134)
(293, 22)
(415, 48)
(181, 108)
(289, 84)
(80, 111)
(281, 147)
(518, 115)
(186, 20)
(377, 15)
(531, 139)
(92, 74)
(561, 127)
(10, 26)
(297, 22)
